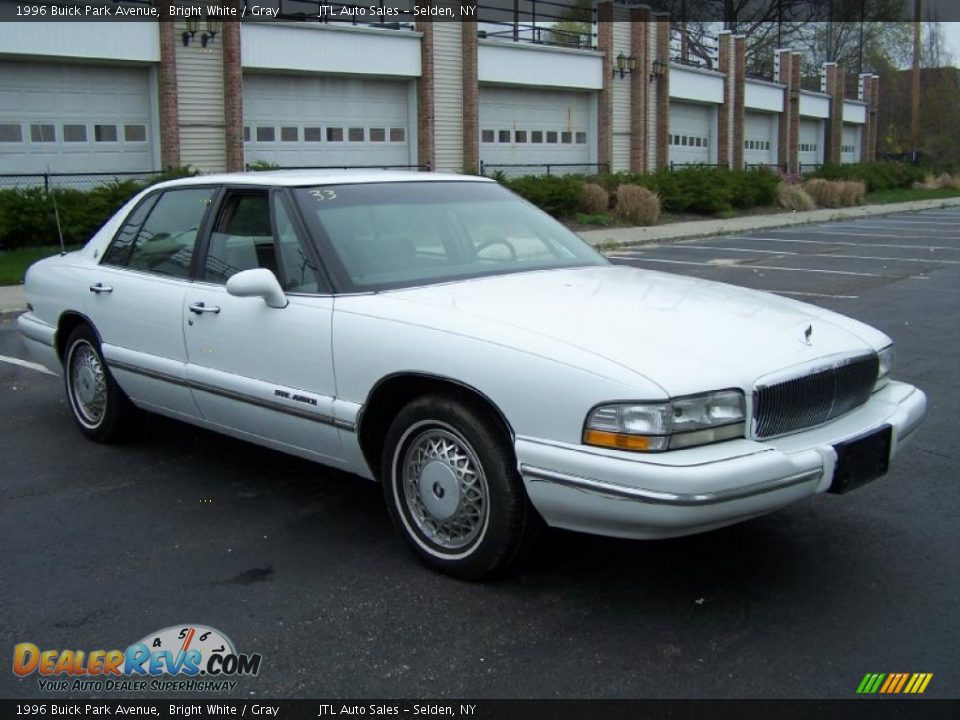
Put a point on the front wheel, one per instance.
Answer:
(101, 409)
(452, 487)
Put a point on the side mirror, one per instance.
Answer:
(258, 283)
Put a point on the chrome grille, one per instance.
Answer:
(813, 399)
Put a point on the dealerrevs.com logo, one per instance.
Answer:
(187, 658)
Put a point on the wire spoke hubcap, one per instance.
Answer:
(88, 384)
(444, 488)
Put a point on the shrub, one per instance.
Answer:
(877, 176)
(594, 200)
(27, 215)
(638, 205)
(558, 195)
(794, 197)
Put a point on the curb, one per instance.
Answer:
(710, 228)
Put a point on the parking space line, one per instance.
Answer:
(820, 255)
(851, 244)
(770, 267)
(26, 364)
(799, 293)
(868, 232)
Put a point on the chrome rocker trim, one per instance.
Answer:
(233, 395)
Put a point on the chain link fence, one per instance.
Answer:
(73, 181)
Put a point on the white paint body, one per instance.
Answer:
(543, 347)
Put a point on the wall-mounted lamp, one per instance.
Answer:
(657, 69)
(213, 27)
(624, 65)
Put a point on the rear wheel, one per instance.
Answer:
(100, 408)
(452, 487)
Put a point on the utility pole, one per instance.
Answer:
(915, 86)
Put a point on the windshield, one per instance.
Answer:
(378, 236)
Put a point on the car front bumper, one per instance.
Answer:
(683, 492)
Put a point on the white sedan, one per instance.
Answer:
(439, 335)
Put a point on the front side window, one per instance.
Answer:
(164, 243)
(244, 239)
(385, 235)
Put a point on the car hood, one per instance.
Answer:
(684, 334)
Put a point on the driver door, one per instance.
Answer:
(260, 372)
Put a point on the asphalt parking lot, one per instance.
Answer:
(103, 545)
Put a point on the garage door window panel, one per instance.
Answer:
(165, 243)
(11, 133)
(74, 133)
(312, 134)
(43, 133)
(135, 133)
(105, 133)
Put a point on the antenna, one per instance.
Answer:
(53, 199)
(56, 215)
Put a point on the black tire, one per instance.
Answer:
(441, 442)
(100, 408)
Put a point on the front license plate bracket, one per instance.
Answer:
(861, 460)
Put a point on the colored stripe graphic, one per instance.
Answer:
(894, 683)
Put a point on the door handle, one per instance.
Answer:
(100, 288)
(199, 308)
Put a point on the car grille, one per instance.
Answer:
(814, 399)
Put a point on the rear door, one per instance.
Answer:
(136, 297)
(259, 371)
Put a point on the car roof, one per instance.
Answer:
(300, 178)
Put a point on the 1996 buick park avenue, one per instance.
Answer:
(441, 336)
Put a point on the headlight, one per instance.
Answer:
(677, 423)
(886, 367)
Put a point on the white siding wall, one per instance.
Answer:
(448, 96)
(114, 41)
(540, 65)
(621, 101)
(854, 112)
(200, 87)
(333, 48)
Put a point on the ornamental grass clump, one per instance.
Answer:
(638, 205)
(792, 196)
(595, 199)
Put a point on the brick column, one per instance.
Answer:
(471, 99)
(796, 81)
(782, 64)
(233, 96)
(605, 99)
(425, 119)
(834, 134)
(724, 41)
(788, 143)
(663, 91)
(639, 89)
(873, 110)
(167, 89)
(739, 95)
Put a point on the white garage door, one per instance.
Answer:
(760, 138)
(810, 152)
(300, 121)
(74, 118)
(850, 148)
(692, 133)
(527, 127)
